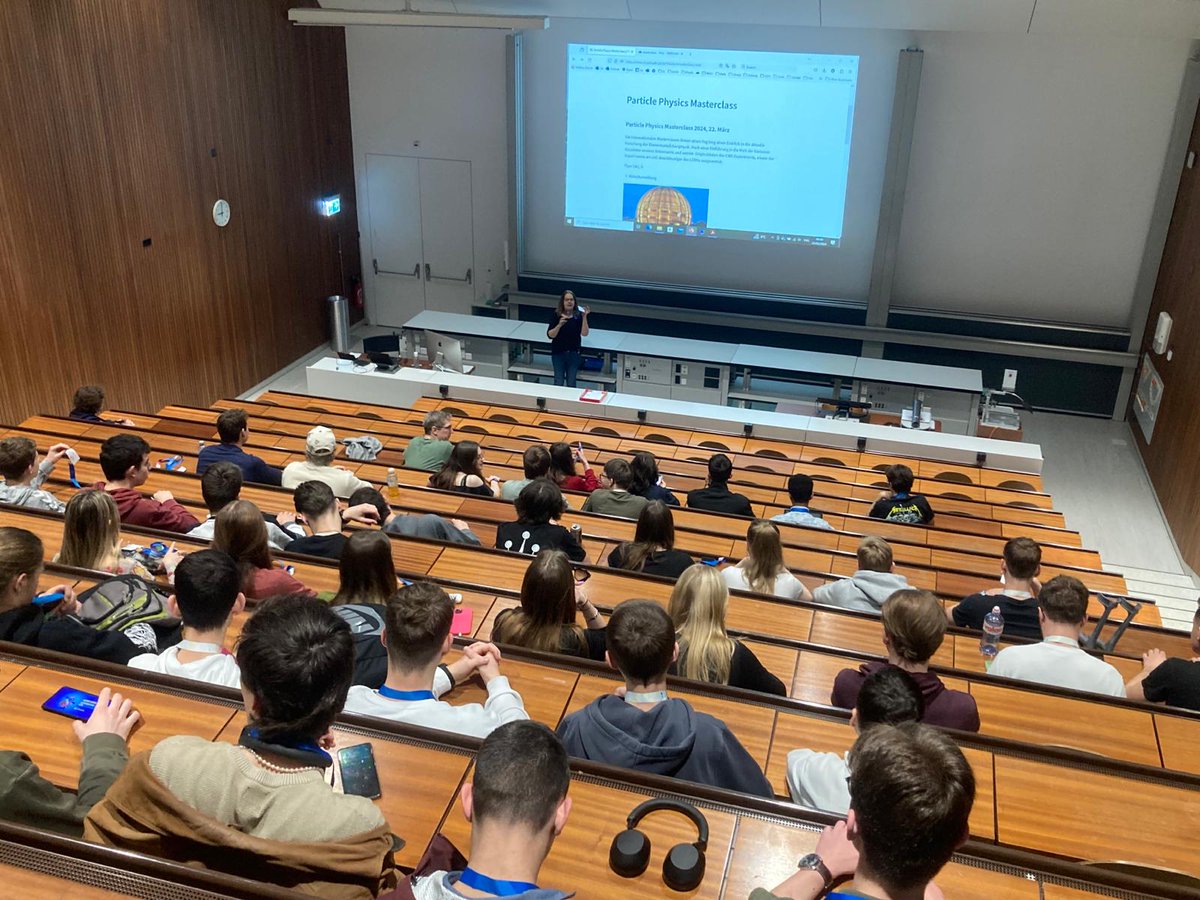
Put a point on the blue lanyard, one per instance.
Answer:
(71, 475)
(473, 879)
(393, 694)
(802, 509)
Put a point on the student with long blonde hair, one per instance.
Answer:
(92, 538)
(706, 651)
(762, 569)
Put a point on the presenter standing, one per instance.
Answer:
(567, 328)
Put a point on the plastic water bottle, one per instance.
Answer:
(393, 484)
(993, 627)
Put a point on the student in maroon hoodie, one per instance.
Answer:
(914, 626)
(125, 459)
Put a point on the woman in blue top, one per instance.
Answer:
(566, 330)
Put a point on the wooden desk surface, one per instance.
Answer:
(412, 806)
(58, 750)
(1179, 742)
(578, 861)
(765, 853)
(28, 883)
(1101, 728)
(1087, 815)
(545, 690)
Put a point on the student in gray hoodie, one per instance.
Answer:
(644, 729)
(872, 584)
(23, 477)
(517, 805)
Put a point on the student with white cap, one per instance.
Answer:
(319, 450)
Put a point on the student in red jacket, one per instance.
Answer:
(562, 469)
(125, 459)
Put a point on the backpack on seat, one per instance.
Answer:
(129, 604)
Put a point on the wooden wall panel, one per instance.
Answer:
(1173, 456)
(125, 120)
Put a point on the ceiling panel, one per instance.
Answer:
(1150, 18)
(744, 12)
(929, 15)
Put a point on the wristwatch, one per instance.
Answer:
(814, 862)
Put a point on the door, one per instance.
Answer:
(394, 205)
(422, 237)
(447, 233)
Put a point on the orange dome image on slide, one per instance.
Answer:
(663, 206)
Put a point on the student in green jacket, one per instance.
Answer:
(29, 799)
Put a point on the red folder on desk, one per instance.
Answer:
(593, 396)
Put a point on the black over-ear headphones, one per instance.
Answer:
(683, 869)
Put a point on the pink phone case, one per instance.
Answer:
(463, 621)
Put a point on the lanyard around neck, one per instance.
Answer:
(480, 882)
(393, 694)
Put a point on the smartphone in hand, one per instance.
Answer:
(72, 703)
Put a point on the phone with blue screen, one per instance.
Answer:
(359, 776)
(72, 703)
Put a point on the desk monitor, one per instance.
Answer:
(443, 351)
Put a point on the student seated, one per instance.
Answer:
(220, 485)
(539, 507)
(889, 696)
(86, 406)
(911, 793)
(613, 497)
(367, 582)
(1017, 597)
(715, 496)
(869, 587)
(92, 538)
(652, 550)
(125, 461)
(463, 472)
(21, 564)
(536, 463)
(242, 533)
(1175, 682)
(646, 480)
(431, 450)
(417, 636)
(233, 427)
(698, 607)
(548, 617)
(29, 799)
(899, 503)
(207, 596)
(261, 808)
(761, 569)
(914, 626)
(317, 508)
(421, 525)
(1059, 660)
(23, 477)
(517, 804)
(800, 490)
(320, 448)
(562, 468)
(645, 729)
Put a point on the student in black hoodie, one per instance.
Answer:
(21, 561)
(715, 496)
(539, 506)
(644, 729)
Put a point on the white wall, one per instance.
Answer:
(438, 94)
(1034, 169)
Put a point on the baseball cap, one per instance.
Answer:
(320, 441)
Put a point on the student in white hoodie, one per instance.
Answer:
(207, 595)
(871, 585)
(889, 696)
(23, 477)
(417, 636)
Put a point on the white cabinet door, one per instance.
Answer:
(447, 233)
(395, 275)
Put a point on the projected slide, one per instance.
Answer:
(709, 143)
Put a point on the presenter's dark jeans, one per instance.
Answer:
(566, 367)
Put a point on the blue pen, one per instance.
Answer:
(49, 599)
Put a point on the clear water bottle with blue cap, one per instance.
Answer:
(993, 627)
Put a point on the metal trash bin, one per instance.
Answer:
(339, 323)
